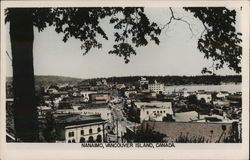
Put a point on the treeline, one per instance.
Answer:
(179, 80)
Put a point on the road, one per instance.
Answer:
(119, 120)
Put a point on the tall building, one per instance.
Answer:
(156, 87)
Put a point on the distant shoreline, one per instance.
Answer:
(167, 80)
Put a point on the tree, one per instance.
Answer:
(81, 23)
(192, 99)
(168, 118)
(49, 131)
(132, 29)
(219, 40)
(147, 134)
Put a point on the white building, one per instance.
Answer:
(222, 95)
(207, 97)
(86, 94)
(105, 113)
(156, 87)
(155, 110)
(143, 81)
(85, 132)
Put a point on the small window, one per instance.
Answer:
(82, 132)
(160, 111)
(90, 131)
(147, 112)
(69, 141)
(82, 140)
(71, 134)
(98, 129)
(73, 141)
(163, 111)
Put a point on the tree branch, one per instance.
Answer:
(177, 19)
(9, 56)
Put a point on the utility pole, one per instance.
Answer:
(117, 130)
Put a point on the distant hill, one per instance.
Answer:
(44, 81)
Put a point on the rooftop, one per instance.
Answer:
(186, 116)
(78, 120)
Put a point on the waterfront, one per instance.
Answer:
(229, 87)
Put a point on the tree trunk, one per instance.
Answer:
(22, 36)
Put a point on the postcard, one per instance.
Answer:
(124, 80)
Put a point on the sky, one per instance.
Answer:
(177, 53)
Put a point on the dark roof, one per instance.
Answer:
(78, 120)
(91, 106)
(174, 130)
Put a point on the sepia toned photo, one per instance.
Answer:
(132, 76)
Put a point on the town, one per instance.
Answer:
(100, 111)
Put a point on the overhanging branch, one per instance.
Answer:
(177, 19)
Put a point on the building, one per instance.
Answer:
(206, 96)
(193, 132)
(52, 91)
(154, 110)
(184, 93)
(81, 129)
(186, 116)
(86, 94)
(99, 98)
(128, 92)
(43, 110)
(103, 112)
(156, 87)
(143, 82)
(120, 86)
(222, 95)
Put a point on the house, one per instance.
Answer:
(81, 129)
(154, 110)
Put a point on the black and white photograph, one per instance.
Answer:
(133, 76)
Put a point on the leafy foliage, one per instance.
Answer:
(49, 132)
(123, 49)
(84, 24)
(148, 135)
(220, 42)
(168, 118)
